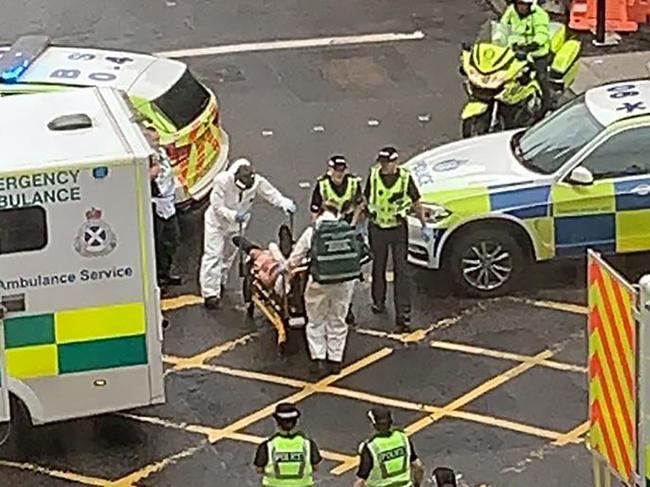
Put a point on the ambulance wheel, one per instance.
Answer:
(473, 126)
(487, 262)
(19, 429)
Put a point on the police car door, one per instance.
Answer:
(603, 214)
(621, 169)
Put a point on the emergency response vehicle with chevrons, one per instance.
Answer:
(578, 179)
(183, 111)
(80, 321)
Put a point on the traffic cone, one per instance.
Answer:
(639, 11)
(583, 16)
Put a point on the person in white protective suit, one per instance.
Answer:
(329, 288)
(232, 197)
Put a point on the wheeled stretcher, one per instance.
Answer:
(281, 300)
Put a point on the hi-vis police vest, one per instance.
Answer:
(391, 466)
(289, 463)
(335, 253)
(526, 30)
(343, 202)
(389, 206)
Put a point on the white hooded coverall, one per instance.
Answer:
(326, 305)
(220, 226)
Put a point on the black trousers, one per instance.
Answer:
(395, 239)
(167, 236)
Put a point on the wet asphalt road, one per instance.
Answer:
(501, 434)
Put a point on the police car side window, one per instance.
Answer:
(23, 229)
(624, 154)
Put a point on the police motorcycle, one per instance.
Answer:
(501, 83)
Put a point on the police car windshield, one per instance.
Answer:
(547, 145)
(184, 101)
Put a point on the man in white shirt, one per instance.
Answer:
(167, 230)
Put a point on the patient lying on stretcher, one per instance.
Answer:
(268, 265)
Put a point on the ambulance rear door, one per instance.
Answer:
(4, 383)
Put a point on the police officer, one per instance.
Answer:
(337, 185)
(288, 458)
(388, 459)
(166, 226)
(340, 187)
(390, 193)
(529, 26)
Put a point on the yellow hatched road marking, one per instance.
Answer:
(460, 402)
(387, 401)
(59, 474)
(514, 357)
(182, 363)
(170, 304)
(556, 305)
(215, 435)
(573, 436)
(132, 479)
(211, 432)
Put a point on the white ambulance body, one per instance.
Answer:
(80, 323)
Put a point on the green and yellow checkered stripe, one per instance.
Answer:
(78, 340)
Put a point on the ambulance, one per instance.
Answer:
(80, 321)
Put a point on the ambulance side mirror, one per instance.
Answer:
(581, 176)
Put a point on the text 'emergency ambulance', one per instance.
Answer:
(39, 188)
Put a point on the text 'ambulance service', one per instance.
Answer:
(80, 322)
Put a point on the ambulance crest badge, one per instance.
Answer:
(95, 238)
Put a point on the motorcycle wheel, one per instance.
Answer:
(474, 126)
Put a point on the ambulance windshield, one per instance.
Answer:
(184, 101)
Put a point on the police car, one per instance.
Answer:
(164, 91)
(578, 179)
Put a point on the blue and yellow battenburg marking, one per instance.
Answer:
(564, 220)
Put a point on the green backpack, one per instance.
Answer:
(335, 253)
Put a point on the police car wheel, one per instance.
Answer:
(486, 262)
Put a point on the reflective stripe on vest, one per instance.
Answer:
(389, 205)
(391, 466)
(327, 192)
(289, 463)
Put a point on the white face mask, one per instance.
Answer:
(242, 186)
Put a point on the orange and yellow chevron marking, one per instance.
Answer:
(612, 368)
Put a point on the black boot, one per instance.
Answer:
(350, 319)
(318, 368)
(212, 302)
(403, 324)
(335, 367)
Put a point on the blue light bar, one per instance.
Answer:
(15, 61)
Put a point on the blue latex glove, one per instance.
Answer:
(290, 207)
(241, 216)
(427, 234)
